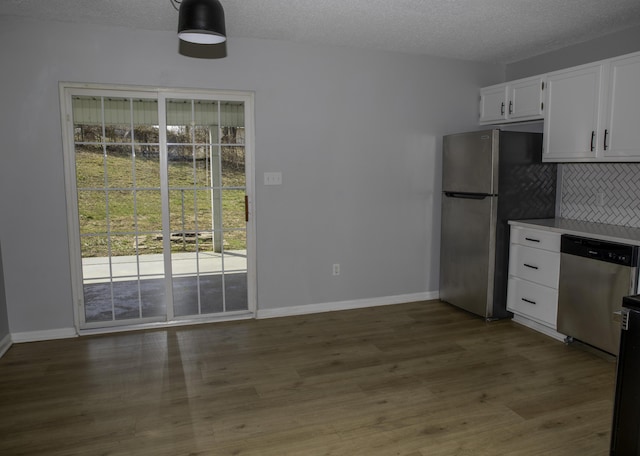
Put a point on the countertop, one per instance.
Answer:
(602, 231)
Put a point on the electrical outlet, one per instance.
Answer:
(336, 269)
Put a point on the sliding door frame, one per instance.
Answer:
(66, 91)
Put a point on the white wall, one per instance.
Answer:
(356, 134)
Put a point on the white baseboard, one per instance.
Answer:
(539, 327)
(5, 344)
(345, 305)
(66, 333)
(35, 336)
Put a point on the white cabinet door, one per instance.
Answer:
(571, 124)
(525, 99)
(621, 136)
(493, 103)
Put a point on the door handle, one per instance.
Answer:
(606, 133)
(502, 109)
(246, 208)
(530, 266)
(528, 300)
(474, 196)
(593, 136)
(531, 239)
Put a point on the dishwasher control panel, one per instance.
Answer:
(611, 252)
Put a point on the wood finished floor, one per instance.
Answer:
(414, 379)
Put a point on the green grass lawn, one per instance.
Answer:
(138, 207)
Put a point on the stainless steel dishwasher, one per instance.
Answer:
(594, 277)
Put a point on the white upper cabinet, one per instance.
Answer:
(493, 104)
(526, 98)
(514, 101)
(593, 112)
(621, 140)
(572, 118)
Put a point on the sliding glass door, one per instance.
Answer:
(159, 220)
(207, 186)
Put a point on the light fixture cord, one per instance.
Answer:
(175, 4)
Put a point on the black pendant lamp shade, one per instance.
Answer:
(201, 22)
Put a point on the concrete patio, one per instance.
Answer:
(96, 269)
(120, 296)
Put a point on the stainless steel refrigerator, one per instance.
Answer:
(488, 178)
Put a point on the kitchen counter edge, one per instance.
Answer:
(601, 231)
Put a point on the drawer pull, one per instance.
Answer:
(528, 300)
(530, 266)
(531, 239)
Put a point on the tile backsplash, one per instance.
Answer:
(601, 192)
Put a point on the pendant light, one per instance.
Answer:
(201, 22)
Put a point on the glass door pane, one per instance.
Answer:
(206, 185)
(117, 151)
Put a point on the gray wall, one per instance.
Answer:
(601, 48)
(4, 318)
(356, 134)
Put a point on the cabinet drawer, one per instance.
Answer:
(534, 265)
(533, 301)
(539, 239)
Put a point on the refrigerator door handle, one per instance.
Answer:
(476, 196)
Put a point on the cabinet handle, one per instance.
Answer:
(606, 133)
(502, 109)
(531, 239)
(528, 300)
(593, 136)
(511, 107)
(530, 266)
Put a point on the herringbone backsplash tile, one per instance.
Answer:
(602, 193)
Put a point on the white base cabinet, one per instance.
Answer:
(534, 270)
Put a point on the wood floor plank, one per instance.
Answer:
(414, 379)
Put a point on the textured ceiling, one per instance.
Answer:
(501, 31)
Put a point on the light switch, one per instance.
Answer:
(273, 178)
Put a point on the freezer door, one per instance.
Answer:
(467, 252)
(470, 162)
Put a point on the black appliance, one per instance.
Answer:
(625, 432)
